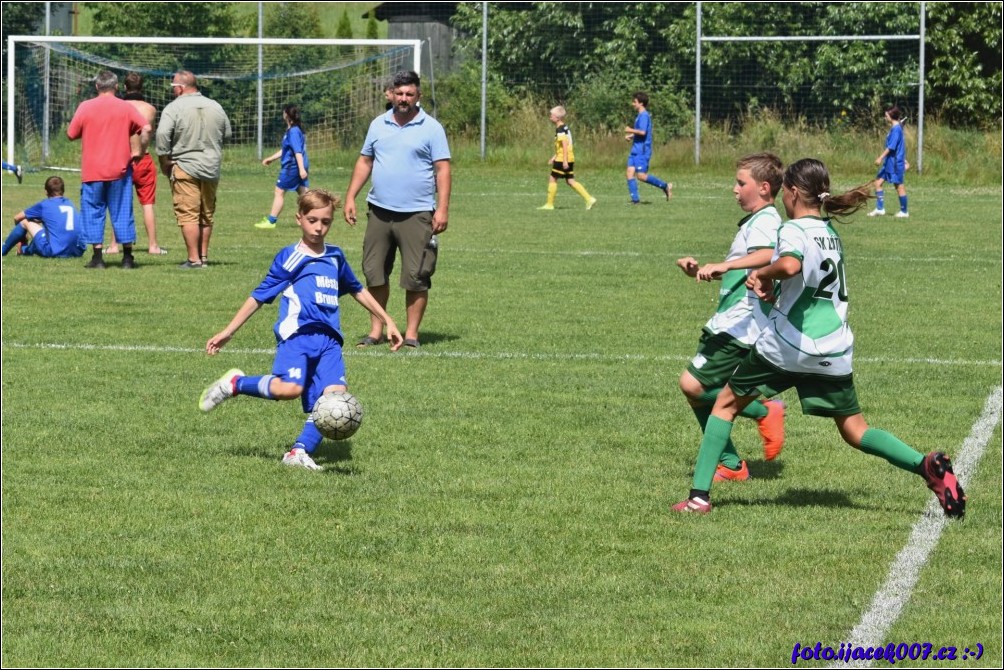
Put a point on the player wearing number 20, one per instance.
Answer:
(47, 228)
(807, 344)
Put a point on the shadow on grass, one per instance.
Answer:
(334, 456)
(799, 498)
(761, 469)
(430, 337)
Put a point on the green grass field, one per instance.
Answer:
(506, 502)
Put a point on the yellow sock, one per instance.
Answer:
(581, 190)
(552, 190)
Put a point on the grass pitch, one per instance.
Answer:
(506, 500)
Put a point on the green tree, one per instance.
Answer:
(21, 18)
(175, 19)
(344, 29)
(964, 62)
(590, 54)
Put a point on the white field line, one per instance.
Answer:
(895, 593)
(470, 355)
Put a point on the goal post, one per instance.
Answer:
(891, 71)
(338, 84)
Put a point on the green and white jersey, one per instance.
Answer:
(808, 331)
(739, 310)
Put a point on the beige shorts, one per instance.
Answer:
(194, 199)
(388, 231)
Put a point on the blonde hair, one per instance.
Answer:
(317, 198)
(558, 111)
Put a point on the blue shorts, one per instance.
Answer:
(639, 162)
(113, 197)
(312, 360)
(891, 172)
(39, 246)
(290, 181)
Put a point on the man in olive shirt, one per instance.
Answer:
(190, 146)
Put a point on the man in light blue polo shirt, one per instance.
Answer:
(408, 158)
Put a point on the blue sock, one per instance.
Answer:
(255, 386)
(18, 234)
(272, 219)
(902, 203)
(880, 199)
(309, 437)
(655, 181)
(633, 189)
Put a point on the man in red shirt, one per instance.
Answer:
(104, 125)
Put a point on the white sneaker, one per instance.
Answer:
(902, 215)
(877, 212)
(298, 458)
(219, 390)
(590, 203)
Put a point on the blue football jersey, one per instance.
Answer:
(310, 287)
(61, 219)
(642, 145)
(294, 142)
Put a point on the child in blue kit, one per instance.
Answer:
(51, 226)
(310, 276)
(640, 136)
(294, 166)
(892, 166)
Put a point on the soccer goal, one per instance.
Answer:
(804, 78)
(338, 85)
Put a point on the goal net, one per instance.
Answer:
(338, 86)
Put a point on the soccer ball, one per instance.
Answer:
(337, 415)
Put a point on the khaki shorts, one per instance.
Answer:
(819, 395)
(388, 231)
(194, 199)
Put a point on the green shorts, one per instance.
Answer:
(819, 395)
(716, 359)
(388, 231)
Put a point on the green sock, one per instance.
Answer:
(716, 438)
(754, 410)
(885, 445)
(730, 457)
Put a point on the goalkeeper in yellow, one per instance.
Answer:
(563, 161)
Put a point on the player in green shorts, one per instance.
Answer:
(728, 335)
(807, 343)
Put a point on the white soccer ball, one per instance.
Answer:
(337, 415)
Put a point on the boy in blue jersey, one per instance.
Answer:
(310, 276)
(640, 136)
(892, 165)
(50, 225)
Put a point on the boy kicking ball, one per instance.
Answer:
(310, 276)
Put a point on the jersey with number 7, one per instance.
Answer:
(808, 331)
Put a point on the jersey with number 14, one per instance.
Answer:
(738, 307)
(310, 285)
(807, 328)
